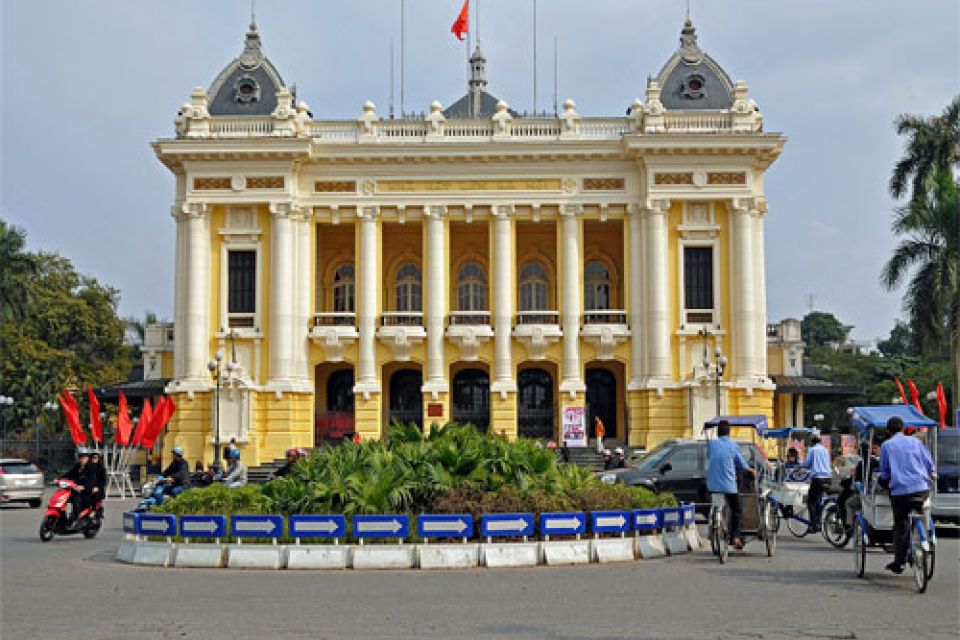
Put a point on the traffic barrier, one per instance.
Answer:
(502, 525)
(449, 556)
(649, 541)
(154, 554)
(558, 552)
(317, 556)
(673, 535)
(385, 556)
(201, 555)
(690, 531)
(459, 525)
(315, 526)
(510, 554)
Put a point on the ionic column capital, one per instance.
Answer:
(502, 211)
(189, 209)
(436, 211)
(742, 206)
(368, 213)
(571, 210)
(281, 209)
(655, 206)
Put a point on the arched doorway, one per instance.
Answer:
(602, 401)
(406, 403)
(334, 416)
(471, 398)
(535, 404)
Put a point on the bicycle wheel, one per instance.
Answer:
(859, 549)
(797, 527)
(771, 523)
(723, 545)
(833, 528)
(919, 556)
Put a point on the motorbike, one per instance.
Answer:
(152, 493)
(56, 520)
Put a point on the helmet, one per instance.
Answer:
(177, 451)
(606, 452)
(293, 452)
(83, 451)
(233, 454)
(618, 451)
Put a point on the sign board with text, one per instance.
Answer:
(575, 426)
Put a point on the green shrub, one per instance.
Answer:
(217, 499)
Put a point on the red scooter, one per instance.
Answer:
(57, 521)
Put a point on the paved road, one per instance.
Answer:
(806, 591)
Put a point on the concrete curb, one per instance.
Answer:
(385, 556)
(154, 554)
(203, 556)
(606, 550)
(254, 556)
(510, 554)
(317, 556)
(675, 541)
(651, 547)
(692, 534)
(449, 556)
(126, 550)
(565, 552)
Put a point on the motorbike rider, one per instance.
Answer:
(619, 460)
(236, 474)
(84, 474)
(292, 456)
(176, 475)
(100, 489)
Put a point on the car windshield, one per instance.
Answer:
(652, 459)
(19, 467)
(948, 449)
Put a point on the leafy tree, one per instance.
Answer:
(901, 341)
(819, 329)
(933, 144)
(16, 268)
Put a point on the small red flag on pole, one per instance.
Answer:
(462, 24)
(915, 395)
(72, 413)
(123, 422)
(96, 426)
(903, 394)
(146, 417)
(941, 404)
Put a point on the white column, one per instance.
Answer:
(637, 289)
(658, 295)
(197, 298)
(744, 319)
(180, 289)
(503, 290)
(369, 263)
(304, 278)
(760, 299)
(436, 299)
(572, 267)
(282, 286)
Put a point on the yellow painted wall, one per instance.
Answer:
(657, 418)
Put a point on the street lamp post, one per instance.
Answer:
(5, 401)
(715, 368)
(51, 407)
(214, 367)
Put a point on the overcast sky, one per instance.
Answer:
(88, 84)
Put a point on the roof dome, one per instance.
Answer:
(693, 80)
(248, 85)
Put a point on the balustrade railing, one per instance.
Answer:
(469, 318)
(605, 316)
(335, 319)
(240, 127)
(402, 319)
(538, 317)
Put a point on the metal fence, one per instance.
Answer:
(53, 456)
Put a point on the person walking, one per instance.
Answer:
(599, 431)
(817, 463)
(906, 468)
(724, 462)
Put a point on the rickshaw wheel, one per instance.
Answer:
(859, 549)
(797, 528)
(833, 530)
(921, 562)
(771, 524)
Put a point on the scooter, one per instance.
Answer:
(56, 520)
(153, 495)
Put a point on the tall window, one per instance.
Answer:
(471, 288)
(596, 286)
(698, 277)
(242, 284)
(344, 284)
(409, 288)
(533, 287)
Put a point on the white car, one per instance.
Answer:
(20, 481)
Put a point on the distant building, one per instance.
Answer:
(471, 265)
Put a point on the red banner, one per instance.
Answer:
(123, 422)
(96, 426)
(462, 24)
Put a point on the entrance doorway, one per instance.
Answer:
(406, 403)
(602, 401)
(535, 404)
(334, 416)
(471, 398)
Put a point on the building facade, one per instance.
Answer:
(471, 264)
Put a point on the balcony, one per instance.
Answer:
(537, 330)
(401, 330)
(334, 331)
(606, 329)
(469, 330)
(241, 320)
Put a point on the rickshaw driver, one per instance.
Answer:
(724, 462)
(906, 468)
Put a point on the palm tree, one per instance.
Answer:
(16, 267)
(932, 144)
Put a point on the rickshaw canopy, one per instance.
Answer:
(782, 433)
(758, 422)
(876, 417)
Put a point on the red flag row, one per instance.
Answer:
(915, 398)
(151, 423)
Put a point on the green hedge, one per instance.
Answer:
(453, 470)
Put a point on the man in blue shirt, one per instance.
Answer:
(906, 468)
(817, 463)
(724, 462)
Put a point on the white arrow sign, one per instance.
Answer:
(323, 526)
(507, 525)
(128, 521)
(562, 523)
(670, 517)
(457, 526)
(157, 526)
(209, 526)
(647, 519)
(266, 526)
(392, 526)
(611, 521)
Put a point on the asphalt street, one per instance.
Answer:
(808, 590)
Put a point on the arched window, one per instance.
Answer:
(471, 288)
(533, 287)
(596, 286)
(409, 288)
(343, 289)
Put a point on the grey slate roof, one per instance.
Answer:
(692, 80)
(250, 68)
(488, 107)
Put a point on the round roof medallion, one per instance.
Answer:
(699, 178)
(246, 90)
(693, 86)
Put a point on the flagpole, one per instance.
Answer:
(534, 58)
(403, 13)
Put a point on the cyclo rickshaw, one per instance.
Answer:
(788, 489)
(759, 515)
(873, 523)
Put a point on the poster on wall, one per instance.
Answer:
(848, 445)
(575, 426)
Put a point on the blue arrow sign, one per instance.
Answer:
(149, 524)
(309, 526)
(556, 524)
(257, 526)
(130, 521)
(609, 521)
(203, 526)
(671, 517)
(445, 526)
(646, 519)
(689, 514)
(506, 524)
(381, 526)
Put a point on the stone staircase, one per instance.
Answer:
(261, 474)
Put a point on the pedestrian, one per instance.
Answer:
(817, 463)
(565, 452)
(724, 462)
(599, 431)
(906, 469)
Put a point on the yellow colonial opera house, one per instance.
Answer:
(473, 263)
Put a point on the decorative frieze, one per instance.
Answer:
(413, 186)
(730, 177)
(265, 182)
(211, 184)
(604, 184)
(673, 178)
(335, 186)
